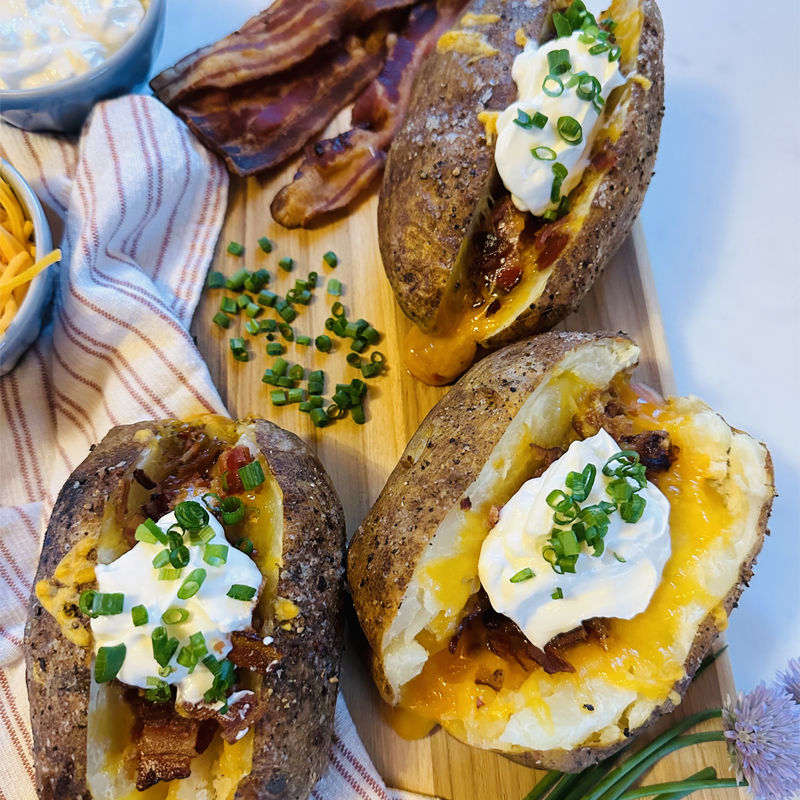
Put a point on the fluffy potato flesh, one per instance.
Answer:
(218, 771)
(718, 489)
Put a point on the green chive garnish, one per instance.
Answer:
(235, 249)
(319, 417)
(265, 244)
(278, 397)
(543, 153)
(233, 510)
(323, 343)
(523, 575)
(251, 475)
(619, 558)
(552, 86)
(108, 663)
(305, 341)
(164, 646)
(161, 559)
(149, 532)
(557, 594)
(140, 616)
(169, 574)
(558, 61)
(358, 415)
(561, 24)
(267, 298)
(331, 259)
(569, 129)
(191, 586)
(240, 592)
(215, 554)
(175, 616)
(236, 281)
(286, 263)
(222, 320)
(216, 280)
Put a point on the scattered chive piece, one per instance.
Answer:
(235, 249)
(303, 298)
(331, 259)
(371, 369)
(569, 129)
(306, 407)
(252, 310)
(228, 305)
(270, 378)
(315, 387)
(108, 663)
(161, 559)
(191, 586)
(216, 280)
(312, 279)
(371, 335)
(358, 388)
(202, 536)
(251, 326)
(168, 574)
(542, 153)
(286, 263)
(523, 575)
(285, 382)
(174, 616)
(222, 320)
(286, 331)
(296, 395)
(139, 615)
(262, 276)
(296, 373)
(358, 415)
(236, 281)
(300, 285)
(337, 309)
(244, 545)
(323, 343)
(265, 244)
(557, 594)
(149, 532)
(268, 325)
(233, 510)
(319, 417)
(164, 646)
(240, 592)
(619, 558)
(317, 375)
(238, 349)
(354, 360)
(280, 366)
(377, 357)
(334, 287)
(251, 475)
(215, 554)
(334, 411)
(552, 86)
(600, 47)
(304, 340)
(550, 216)
(558, 61)
(266, 298)
(342, 399)
(278, 397)
(359, 344)
(274, 349)
(288, 314)
(561, 24)
(614, 53)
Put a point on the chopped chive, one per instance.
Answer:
(201, 536)
(236, 281)
(251, 475)
(191, 586)
(164, 646)
(228, 305)
(139, 616)
(235, 249)
(233, 510)
(252, 310)
(296, 395)
(370, 370)
(278, 397)
(614, 53)
(274, 349)
(337, 309)
(599, 48)
(312, 279)
(266, 298)
(542, 153)
(161, 559)
(331, 259)
(268, 325)
(286, 331)
(216, 280)
(242, 301)
(285, 382)
(215, 554)
(358, 415)
(175, 616)
(280, 366)
(169, 574)
(569, 129)
(252, 327)
(265, 244)
(371, 335)
(523, 119)
(315, 387)
(377, 357)
(523, 575)
(550, 215)
(323, 343)
(619, 558)
(557, 594)
(149, 532)
(297, 373)
(342, 399)
(558, 61)
(334, 411)
(286, 263)
(561, 24)
(319, 417)
(288, 314)
(304, 340)
(244, 545)
(334, 287)
(552, 86)
(317, 375)
(108, 663)
(359, 344)
(354, 360)
(241, 592)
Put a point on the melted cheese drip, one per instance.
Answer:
(441, 353)
(638, 655)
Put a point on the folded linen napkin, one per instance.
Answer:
(137, 204)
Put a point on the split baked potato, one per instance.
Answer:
(466, 265)
(264, 731)
(440, 648)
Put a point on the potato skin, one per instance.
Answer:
(454, 441)
(293, 737)
(435, 173)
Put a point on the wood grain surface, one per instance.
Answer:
(360, 458)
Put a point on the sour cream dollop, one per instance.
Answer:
(45, 41)
(211, 611)
(600, 587)
(530, 180)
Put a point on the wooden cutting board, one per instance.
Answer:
(360, 458)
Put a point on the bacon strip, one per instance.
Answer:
(336, 171)
(272, 42)
(263, 122)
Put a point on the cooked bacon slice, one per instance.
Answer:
(250, 652)
(258, 124)
(242, 714)
(231, 462)
(272, 42)
(336, 171)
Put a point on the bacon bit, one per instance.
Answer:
(494, 680)
(507, 277)
(250, 652)
(546, 455)
(479, 703)
(466, 504)
(553, 245)
(603, 160)
(494, 515)
(232, 461)
(258, 124)
(336, 171)
(278, 39)
(143, 479)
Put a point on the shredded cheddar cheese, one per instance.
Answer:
(489, 121)
(473, 20)
(469, 43)
(18, 264)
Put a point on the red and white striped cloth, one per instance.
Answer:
(137, 205)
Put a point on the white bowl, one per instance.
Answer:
(24, 328)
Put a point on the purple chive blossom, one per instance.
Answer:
(790, 680)
(763, 733)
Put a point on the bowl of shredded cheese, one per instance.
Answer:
(26, 258)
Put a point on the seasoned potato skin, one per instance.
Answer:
(436, 172)
(293, 738)
(454, 442)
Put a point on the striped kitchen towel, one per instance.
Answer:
(136, 206)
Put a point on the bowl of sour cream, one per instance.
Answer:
(58, 58)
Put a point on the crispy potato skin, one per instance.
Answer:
(435, 173)
(439, 162)
(59, 672)
(438, 465)
(292, 739)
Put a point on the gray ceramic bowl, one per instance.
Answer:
(64, 106)
(24, 329)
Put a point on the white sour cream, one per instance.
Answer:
(211, 611)
(600, 587)
(529, 180)
(45, 41)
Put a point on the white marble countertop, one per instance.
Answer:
(722, 218)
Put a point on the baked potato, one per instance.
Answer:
(444, 568)
(256, 514)
(467, 266)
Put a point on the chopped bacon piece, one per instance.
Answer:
(258, 124)
(546, 456)
(250, 652)
(231, 462)
(494, 515)
(492, 679)
(242, 713)
(336, 171)
(278, 39)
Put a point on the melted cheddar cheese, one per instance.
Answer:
(639, 654)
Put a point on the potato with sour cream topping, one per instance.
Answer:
(555, 552)
(48, 41)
